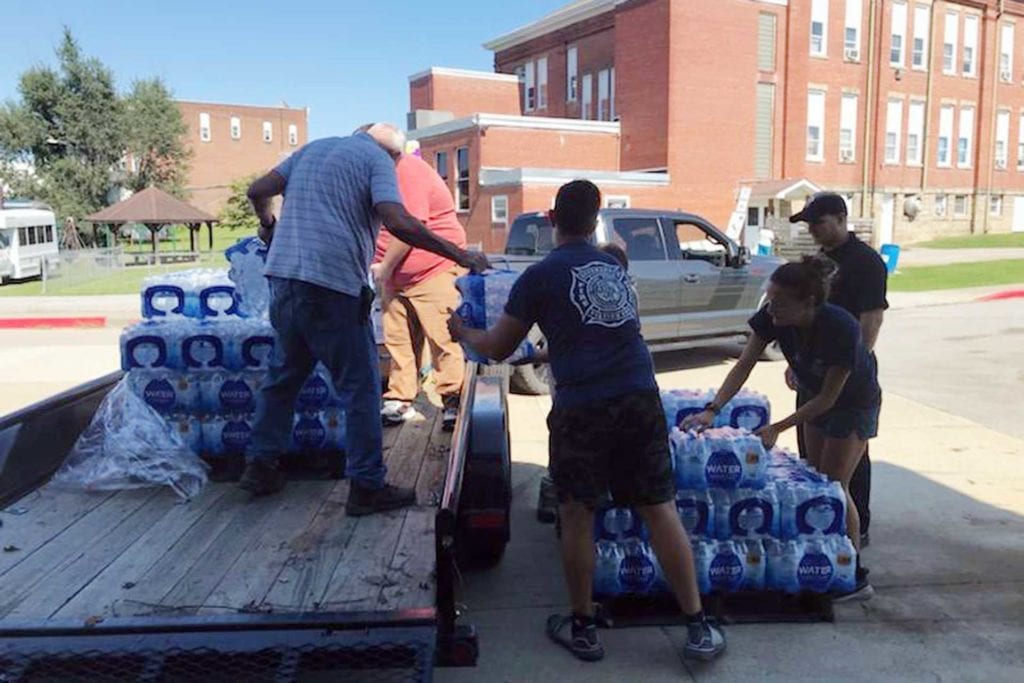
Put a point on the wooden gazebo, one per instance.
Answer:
(154, 208)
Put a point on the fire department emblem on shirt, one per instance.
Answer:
(602, 295)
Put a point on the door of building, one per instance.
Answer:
(886, 220)
(1018, 214)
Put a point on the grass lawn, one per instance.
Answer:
(958, 275)
(1001, 240)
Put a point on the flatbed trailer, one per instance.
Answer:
(139, 585)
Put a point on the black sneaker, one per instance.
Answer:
(451, 413)
(865, 540)
(261, 478)
(578, 635)
(366, 501)
(704, 641)
(547, 501)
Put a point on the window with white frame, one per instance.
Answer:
(1020, 142)
(617, 201)
(204, 127)
(940, 204)
(268, 131)
(848, 128)
(604, 112)
(499, 209)
(819, 28)
(943, 155)
(1006, 53)
(995, 205)
(441, 164)
(236, 128)
(587, 97)
(922, 26)
(970, 45)
(529, 87)
(915, 133)
(293, 134)
(893, 126)
(898, 36)
(542, 83)
(851, 30)
(815, 125)
(949, 43)
(462, 181)
(1002, 140)
(572, 68)
(965, 140)
(960, 205)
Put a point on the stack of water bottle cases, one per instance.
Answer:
(201, 353)
(757, 520)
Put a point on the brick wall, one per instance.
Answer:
(464, 95)
(222, 160)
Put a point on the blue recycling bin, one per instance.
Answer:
(891, 255)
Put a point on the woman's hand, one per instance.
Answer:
(699, 421)
(769, 434)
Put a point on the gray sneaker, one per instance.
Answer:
(704, 641)
(397, 412)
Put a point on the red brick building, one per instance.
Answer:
(907, 107)
(231, 141)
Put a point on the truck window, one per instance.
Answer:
(696, 243)
(641, 238)
(530, 235)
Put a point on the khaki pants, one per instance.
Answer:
(424, 306)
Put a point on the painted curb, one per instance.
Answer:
(1001, 296)
(60, 323)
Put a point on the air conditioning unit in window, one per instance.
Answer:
(846, 156)
(851, 54)
(1005, 76)
(1001, 164)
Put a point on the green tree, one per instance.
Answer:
(237, 213)
(155, 138)
(65, 140)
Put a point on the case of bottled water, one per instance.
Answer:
(681, 403)
(317, 431)
(317, 392)
(248, 258)
(818, 565)
(618, 524)
(167, 391)
(190, 429)
(229, 393)
(747, 410)
(724, 458)
(203, 293)
(729, 566)
(224, 436)
(746, 513)
(697, 511)
(810, 508)
(483, 302)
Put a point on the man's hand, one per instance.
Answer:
(769, 434)
(456, 325)
(699, 421)
(476, 261)
(791, 379)
(380, 276)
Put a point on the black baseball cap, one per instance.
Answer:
(821, 204)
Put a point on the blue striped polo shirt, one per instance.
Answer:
(328, 226)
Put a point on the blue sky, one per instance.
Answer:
(348, 61)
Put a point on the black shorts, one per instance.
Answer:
(617, 446)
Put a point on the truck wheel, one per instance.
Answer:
(533, 380)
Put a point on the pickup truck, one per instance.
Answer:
(136, 585)
(695, 286)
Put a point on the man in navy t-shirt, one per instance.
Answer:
(607, 428)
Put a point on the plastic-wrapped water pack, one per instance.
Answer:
(247, 258)
(483, 302)
(129, 445)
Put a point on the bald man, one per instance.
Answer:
(336, 191)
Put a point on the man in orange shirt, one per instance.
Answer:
(418, 289)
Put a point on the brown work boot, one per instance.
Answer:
(366, 501)
(261, 478)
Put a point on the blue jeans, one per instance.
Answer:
(318, 324)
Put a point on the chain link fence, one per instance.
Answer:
(114, 271)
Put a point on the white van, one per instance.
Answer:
(27, 238)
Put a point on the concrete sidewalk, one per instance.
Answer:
(947, 560)
(921, 256)
(946, 297)
(118, 309)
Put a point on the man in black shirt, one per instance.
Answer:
(859, 287)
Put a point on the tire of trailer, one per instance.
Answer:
(533, 380)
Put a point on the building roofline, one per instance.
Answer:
(242, 106)
(463, 73)
(566, 16)
(512, 121)
(558, 176)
